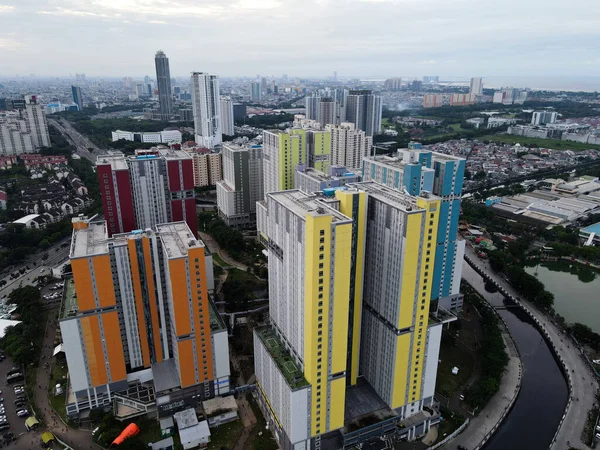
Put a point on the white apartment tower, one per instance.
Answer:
(476, 86)
(227, 123)
(206, 106)
(349, 145)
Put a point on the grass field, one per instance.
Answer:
(217, 259)
(453, 356)
(543, 143)
(225, 435)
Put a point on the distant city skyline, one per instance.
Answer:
(364, 38)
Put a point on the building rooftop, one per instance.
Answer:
(390, 196)
(26, 218)
(89, 241)
(171, 154)
(116, 160)
(186, 418)
(285, 363)
(69, 305)
(302, 204)
(177, 238)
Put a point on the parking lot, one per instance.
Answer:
(16, 423)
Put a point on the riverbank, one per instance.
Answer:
(582, 385)
(572, 259)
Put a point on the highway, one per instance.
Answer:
(81, 143)
(56, 255)
(583, 385)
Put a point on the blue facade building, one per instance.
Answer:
(77, 98)
(416, 171)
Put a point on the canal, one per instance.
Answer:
(575, 288)
(535, 416)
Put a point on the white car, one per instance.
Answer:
(22, 413)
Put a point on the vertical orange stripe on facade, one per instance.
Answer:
(83, 284)
(152, 299)
(180, 298)
(187, 373)
(104, 281)
(114, 346)
(200, 297)
(93, 349)
(139, 305)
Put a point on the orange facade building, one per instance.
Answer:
(140, 313)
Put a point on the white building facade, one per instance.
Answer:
(206, 106)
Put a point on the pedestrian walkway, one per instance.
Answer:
(78, 439)
(214, 247)
(482, 426)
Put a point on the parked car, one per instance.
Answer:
(22, 413)
(4, 427)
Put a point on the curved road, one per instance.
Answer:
(583, 383)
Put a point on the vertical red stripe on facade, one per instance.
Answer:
(125, 200)
(191, 216)
(173, 174)
(188, 174)
(177, 210)
(107, 192)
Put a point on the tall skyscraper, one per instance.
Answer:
(163, 80)
(352, 330)
(326, 114)
(282, 152)
(227, 120)
(149, 188)
(312, 107)
(263, 85)
(364, 110)
(207, 109)
(324, 110)
(415, 171)
(476, 87)
(36, 123)
(77, 98)
(142, 314)
(255, 93)
(349, 145)
(242, 185)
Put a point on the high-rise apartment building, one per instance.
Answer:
(207, 109)
(462, 99)
(153, 186)
(140, 312)
(163, 81)
(227, 122)
(15, 138)
(255, 92)
(393, 84)
(352, 331)
(349, 145)
(242, 185)
(77, 98)
(364, 110)
(282, 152)
(207, 168)
(543, 117)
(324, 110)
(415, 171)
(318, 149)
(476, 87)
(263, 85)
(37, 125)
(433, 100)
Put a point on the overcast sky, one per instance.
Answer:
(368, 38)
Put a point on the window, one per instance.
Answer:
(322, 232)
(320, 265)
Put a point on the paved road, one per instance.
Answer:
(82, 143)
(584, 385)
(214, 247)
(78, 439)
